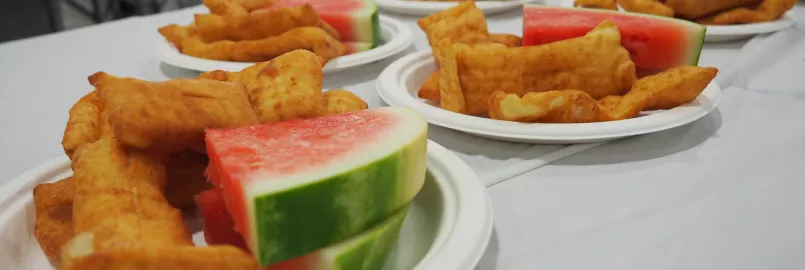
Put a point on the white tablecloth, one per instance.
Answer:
(721, 193)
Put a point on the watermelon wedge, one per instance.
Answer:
(355, 20)
(367, 250)
(356, 47)
(655, 43)
(297, 186)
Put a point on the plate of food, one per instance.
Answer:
(231, 180)
(234, 36)
(428, 7)
(726, 20)
(583, 88)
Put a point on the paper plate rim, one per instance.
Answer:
(788, 20)
(391, 88)
(401, 38)
(420, 8)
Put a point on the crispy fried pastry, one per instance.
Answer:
(339, 101)
(54, 216)
(451, 97)
(653, 7)
(667, 90)
(220, 257)
(308, 38)
(257, 25)
(122, 220)
(289, 87)
(171, 116)
(694, 9)
(767, 11)
(84, 123)
(185, 178)
(225, 7)
(463, 23)
(595, 63)
(430, 89)
(600, 4)
(506, 39)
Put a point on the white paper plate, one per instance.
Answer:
(399, 83)
(420, 8)
(396, 35)
(719, 33)
(447, 227)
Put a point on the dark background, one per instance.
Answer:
(28, 18)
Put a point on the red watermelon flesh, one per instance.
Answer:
(219, 228)
(653, 42)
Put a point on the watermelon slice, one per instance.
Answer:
(297, 186)
(655, 43)
(367, 250)
(356, 47)
(355, 20)
(219, 229)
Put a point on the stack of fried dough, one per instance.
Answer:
(252, 31)
(585, 79)
(138, 157)
(712, 12)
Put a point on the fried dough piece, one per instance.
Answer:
(561, 106)
(308, 38)
(185, 178)
(257, 25)
(84, 123)
(251, 5)
(122, 220)
(595, 63)
(464, 23)
(451, 97)
(289, 87)
(694, 9)
(600, 4)
(176, 34)
(54, 216)
(767, 11)
(119, 202)
(506, 39)
(653, 7)
(430, 89)
(667, 90)
(338, 101)
(225, 7)
(221, 257)
(171, 116)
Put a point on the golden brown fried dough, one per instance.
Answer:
(595, 63)
(308, 38)
(600, 4)
(694, 9)
(338, 101)
(767, 11)
(84, 123)
(561, 106)
(464, 23)
(506, 39)
(256, 25)
(186, 178)
(171, 116)
(54, 216)
(653, 7)
(430, 89)
(225, 7)
(451, 97)
(667, 90)
(288, 87)
(174, 258)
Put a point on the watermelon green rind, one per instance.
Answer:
(367, 251)
(292, 215)
(695, 32)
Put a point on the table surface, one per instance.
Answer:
(721, 193)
